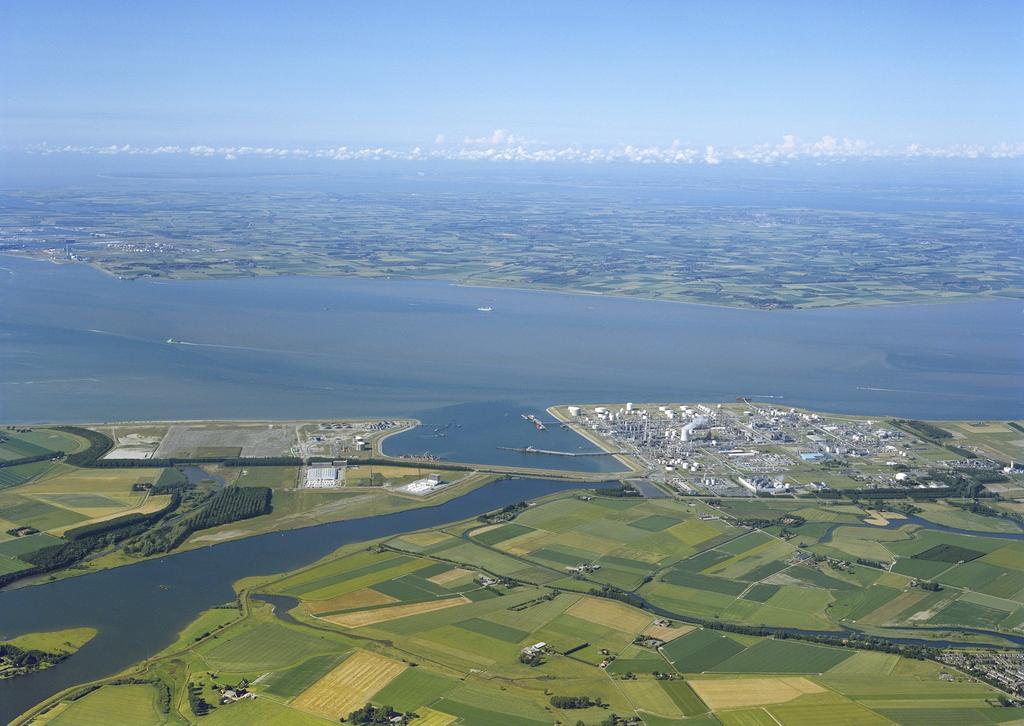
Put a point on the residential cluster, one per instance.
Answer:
(1000, 668)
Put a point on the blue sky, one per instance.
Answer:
(315, 74)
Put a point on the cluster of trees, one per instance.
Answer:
(18, 661)
(960, 451)
(923, 428)
(230, 504)
(845, 640)
(575, 701)
(86, 540)
(147, 534)
(986, 511)
(872, 563)
(234, 461)
(22, 531)
(262, 461)
(108, 525)
(956, 485)
(196, 702)
(903, 507)
(623, 490)
(575, 648)
(505, 514)
(785, 520)
(370, 714)
(163, 696)
(928, 585)
(986, 476)
(150, 463)
(170, 482)
(615, 593)
(99, 444)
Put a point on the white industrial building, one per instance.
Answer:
(424, 485)
(321, 476)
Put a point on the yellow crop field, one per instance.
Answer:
(746, 692)
(452, 575)
(693, 531)
(94, 481)
(526, 543)
(486, 528)
(350, 601)
(670, 633)
(609, 613)
(383, 615)
(350, 685)
(430, 717)
(95, 514)
(893, 608)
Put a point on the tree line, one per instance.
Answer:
(228, 505)
(138, 533)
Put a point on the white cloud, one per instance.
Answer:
(503, 146)
(498, 137)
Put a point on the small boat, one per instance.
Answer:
(485, 309)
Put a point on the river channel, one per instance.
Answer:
(140, 609)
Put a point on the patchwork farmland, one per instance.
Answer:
(584, 605)
(480, 624)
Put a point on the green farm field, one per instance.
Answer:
(526, 237)
(443, 622)
(462, 663)
(128, 704)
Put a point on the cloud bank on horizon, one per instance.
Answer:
(572, 80)
(504, 146)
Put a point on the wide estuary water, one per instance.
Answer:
(77, 346)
